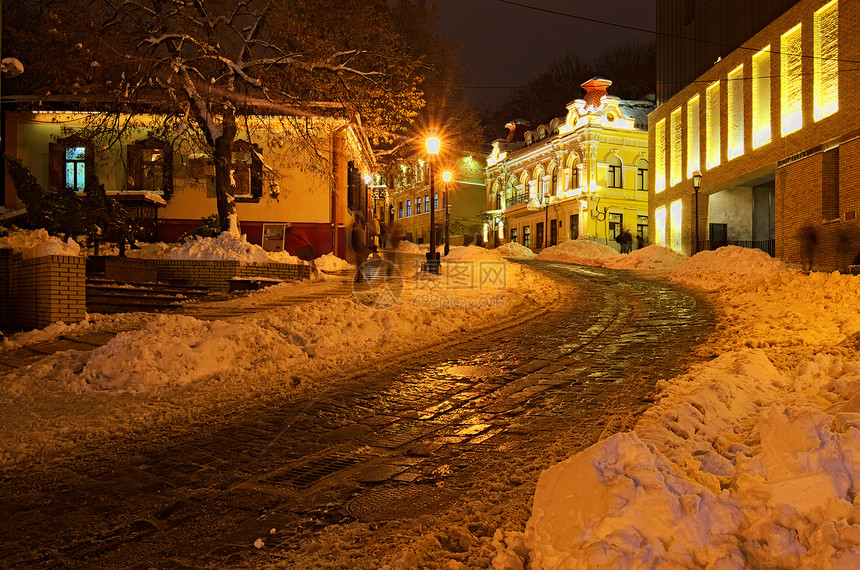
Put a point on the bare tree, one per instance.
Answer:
(205, 67)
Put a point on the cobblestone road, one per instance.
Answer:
(396, 441)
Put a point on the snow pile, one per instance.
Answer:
(738, 465)
(225, 247)
(473, 253)
(37, 243)
(516, 251)
(284, 257)
(580, 251)
(711, 269)
(407, 247)
(651, 257)
(331, 262)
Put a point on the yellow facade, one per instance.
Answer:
(584, 175)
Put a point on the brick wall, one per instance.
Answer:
(216, 275)
(40, 291)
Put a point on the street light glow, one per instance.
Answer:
(433, 145)
(446, 176)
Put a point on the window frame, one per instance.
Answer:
(57, 161)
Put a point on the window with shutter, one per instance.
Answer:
(70, 160)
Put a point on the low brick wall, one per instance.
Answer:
(216, 275)
(40, 291)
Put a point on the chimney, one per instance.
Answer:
(595, 90)
(517, 130)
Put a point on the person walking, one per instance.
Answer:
(358, 241)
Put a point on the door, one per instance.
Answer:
(539, 234)
(719, 236)
(553, 232)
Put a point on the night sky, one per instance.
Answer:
(505, 45)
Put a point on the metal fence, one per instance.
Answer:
(768, 246)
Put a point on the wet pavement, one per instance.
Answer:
(396, 440)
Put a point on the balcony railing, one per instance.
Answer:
(518, 199)
(768, 246)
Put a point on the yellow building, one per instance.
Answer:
(584, 175)
(292, 193)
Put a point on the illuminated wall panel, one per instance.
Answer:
(660, 226)
(693, 162)
(826, 62)
(736, 112)
(675, 147)
(660, 156)
(676, 225)
(791, 93)
(761, 98)
(712, 124)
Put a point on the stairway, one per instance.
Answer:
(106, 296)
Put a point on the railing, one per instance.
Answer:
(768, 246)
(518, 199)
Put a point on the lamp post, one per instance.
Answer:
(432, 259)
(446, 176)
(697, 182)
(545, 219)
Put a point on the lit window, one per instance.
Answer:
(514, 235)
(408, 208)
(660, 226)
(642, 175)
(247, 170)
(400, 209)
(791, 77)
(676, 225)
(660, 156)
(527, 236)
(826, 69)
(435, 201)
(712, 124)
(613, 173)
(417, 206)
(761, 97)
(642, 228)
(675, 147)
(427, 203)
(76, 168)
(693, 163)
(736, 112)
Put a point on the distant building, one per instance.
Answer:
(409, 199)
(583, 175)
(773, 129)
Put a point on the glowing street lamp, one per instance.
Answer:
(697, 183)
(433, 144)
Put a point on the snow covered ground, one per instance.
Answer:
(752, 459)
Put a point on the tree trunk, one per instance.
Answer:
(223, 156)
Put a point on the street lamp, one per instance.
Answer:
(697, 183)
(446, 176)
(433, 258)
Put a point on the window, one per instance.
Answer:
(791, 77)
(70, 160)
(761, 98)
(693, 163)
(613, 173)
(408, 208)
(573, 174)
(435, 201)
(400, 209)
(247, 171)
(642, 175)
(427, 203)
(712, 124)
(675, 143)
(660, 156)
(614, 225)
(660, 226)
(527, 235)
(676, 221)
(514, 235)
(826, 61)
(554, 184)
(736, 112)
(150, 166)
(642, 228)
(417, 206)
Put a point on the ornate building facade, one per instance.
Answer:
(583, 175)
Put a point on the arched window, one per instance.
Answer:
(554, 187)
(642, 175)
(613, 173)
(573, 181)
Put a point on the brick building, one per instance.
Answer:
(773, 128)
